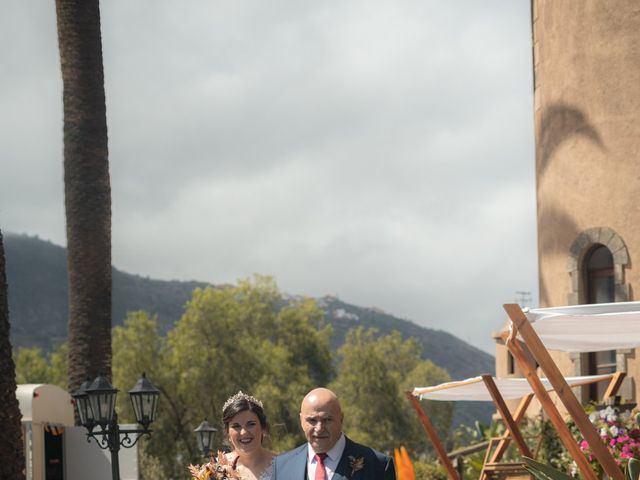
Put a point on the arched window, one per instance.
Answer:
(598, 258)
(599, 275)
(599, 288)
(584, 247)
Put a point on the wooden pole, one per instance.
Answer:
(506, 415)
(612, 389)
(521, 325)
(547, 404)
(614, 385)
(517, 416)
(433, 436)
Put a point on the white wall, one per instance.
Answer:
(86, 460)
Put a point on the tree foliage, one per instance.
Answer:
(249, 337)
(245, 337)
(33, 366)
(373, 374)
(139, 350)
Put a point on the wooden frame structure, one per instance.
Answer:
(433, 436)
(517, 417)
(511, 421)
(520, 325)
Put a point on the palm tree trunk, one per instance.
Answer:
(87, 190)
(11, 452)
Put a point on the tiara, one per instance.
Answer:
(241, 396)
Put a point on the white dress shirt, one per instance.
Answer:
(330, 463)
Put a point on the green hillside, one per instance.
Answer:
(38, 309)
(36, 275)
(458, 357)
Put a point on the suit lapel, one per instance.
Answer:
(299, 463)
(344, 470)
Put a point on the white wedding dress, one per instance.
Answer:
(267, 473)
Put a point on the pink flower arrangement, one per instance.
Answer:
(618, 431)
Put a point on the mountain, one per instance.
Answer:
(38, 309)
(458, 357)
(37, 279)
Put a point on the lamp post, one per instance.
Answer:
(205, 433)
(96, 405)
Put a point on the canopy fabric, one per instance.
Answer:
(588, 328)
(474, 389)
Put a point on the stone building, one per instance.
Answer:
(586, 63)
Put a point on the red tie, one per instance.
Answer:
(321, 473)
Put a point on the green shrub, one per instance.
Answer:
(429, 471)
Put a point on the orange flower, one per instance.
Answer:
(404, 467)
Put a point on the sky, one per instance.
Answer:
(378, 151)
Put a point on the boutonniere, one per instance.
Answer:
(356, 463)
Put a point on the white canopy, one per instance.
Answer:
(474, 389)
(588, 328)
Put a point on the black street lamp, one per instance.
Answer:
(96, 405)
(205, 434)
(82, 405)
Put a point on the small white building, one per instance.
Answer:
(57, 450)
(46, 411)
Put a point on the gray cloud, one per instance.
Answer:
(380, 151)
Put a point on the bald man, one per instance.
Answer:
(328, 453)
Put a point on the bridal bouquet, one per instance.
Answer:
(217, 469)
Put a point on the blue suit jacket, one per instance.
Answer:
(292, 465)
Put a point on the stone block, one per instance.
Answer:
(615, 244)
(606, 234)
(621, 256)
(579, 245)
(618, 274)
(622, 293)
(626, 391)
(575, 281)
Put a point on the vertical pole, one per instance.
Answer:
(29, 452)
(433, 436)
(459, 464)
(114, 447)
(569, 400)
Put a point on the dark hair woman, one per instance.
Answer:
(245, 424)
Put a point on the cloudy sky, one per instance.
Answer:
(380, 151)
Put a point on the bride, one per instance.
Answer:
(246, 426)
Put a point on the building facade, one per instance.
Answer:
(586, 62)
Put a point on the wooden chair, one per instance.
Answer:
(511, 471)
(497, 469)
